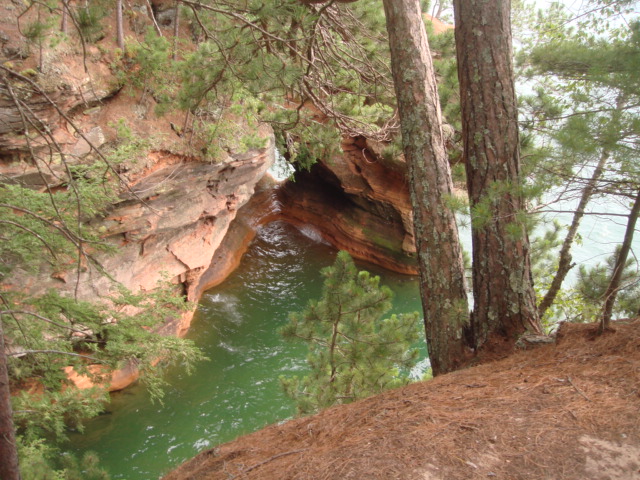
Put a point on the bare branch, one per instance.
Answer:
(56, 352)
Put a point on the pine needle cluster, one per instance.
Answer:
(353, 352)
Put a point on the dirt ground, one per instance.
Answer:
(569, 410)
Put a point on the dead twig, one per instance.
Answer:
(270, 459)
(577, 389)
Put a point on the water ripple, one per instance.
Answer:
(237, 391)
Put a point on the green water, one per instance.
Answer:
(236, 392)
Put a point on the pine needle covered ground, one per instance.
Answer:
(564, 411)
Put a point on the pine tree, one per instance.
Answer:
(593, 283)
(586, 109)
(444, 296)
(504, 298)
(353, 352)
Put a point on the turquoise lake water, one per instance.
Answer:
(237, 391)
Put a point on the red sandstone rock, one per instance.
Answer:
(360, 202)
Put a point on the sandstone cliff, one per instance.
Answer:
(175, 206)
(177, 216)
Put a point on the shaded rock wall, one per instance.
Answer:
(360, 202)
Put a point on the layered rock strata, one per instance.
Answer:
(360, 203)
(176, 207)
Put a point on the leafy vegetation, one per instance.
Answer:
(353, 352)
(584, 116)
(592, 284)
(315, 73)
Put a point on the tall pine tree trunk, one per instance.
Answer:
(621, 260)
(442, 280)
(504, 299)
(176, 30)
(8, 449)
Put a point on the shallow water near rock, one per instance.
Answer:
(237, 391)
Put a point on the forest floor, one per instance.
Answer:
(569, 410)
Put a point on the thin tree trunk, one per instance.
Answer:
(504, 299)
(9, 469)
(119, 25)
(153, 19)
(442, 281)
(565, 264)
(176, 30)
(436, 13)
(40, 49)
(64, 22)
(621, 260)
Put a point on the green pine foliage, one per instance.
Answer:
(592, 286)
(353, 352)
(49, 334)
(582, 121)
(89, 20)
(48, 226)
(316, 73)
(147, 65)
(36, 31)
(568, 306)
(587, 96)
(37, 458)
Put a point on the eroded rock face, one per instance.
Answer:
(175, 210)
(178, 207)
(174, 221)
(65, 83)
(262, 208)
(360, 202)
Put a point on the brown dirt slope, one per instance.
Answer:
(564, 411)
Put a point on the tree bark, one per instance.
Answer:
(64, 21)
(440, 6)
(442, 281)
(153, 18)
(621, 260)
(504, 299)
(564, 264)
(176, 30)
(119, 25)
(9, 469)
